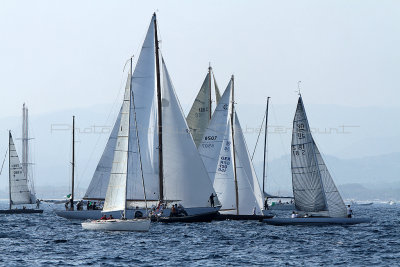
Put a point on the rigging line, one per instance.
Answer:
(258, 137)
(4, 160)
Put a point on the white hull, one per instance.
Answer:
(136, 225)
(316, 221)
(97, 214)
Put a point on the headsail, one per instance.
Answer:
(313, 187)
(217, 153)
(199, 114)
(185, 177)
(116, 190)
(98, 185)
(19, 191)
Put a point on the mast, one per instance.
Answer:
(25, 139)
(265, 148)
(9, 167)
(160, 152)
(233, 147)
(209, 86)
(73, 162)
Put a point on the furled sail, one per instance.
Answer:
(185, 177)
(313, 187)
(19, 190)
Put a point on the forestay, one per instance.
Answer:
(20, 193)
(185, 177)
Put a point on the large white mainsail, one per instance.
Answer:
(201, 111)
(313, 187)
(185, 177)
(19, 190)
(234, 181)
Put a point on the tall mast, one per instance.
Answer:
(209, 86)
(9, 167)
(25, 139)
(160, 152)
(73, 162)
(233, 147)
(265, 147)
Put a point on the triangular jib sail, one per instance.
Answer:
(201, 111)
(313, 187)
(19, 190)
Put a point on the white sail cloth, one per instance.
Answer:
(313, 187)
(216, 150)
(20, 193)
(185, 177)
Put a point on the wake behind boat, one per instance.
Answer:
(316, 197)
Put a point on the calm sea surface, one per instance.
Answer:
(32, 240)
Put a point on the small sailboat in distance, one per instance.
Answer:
(126, 157)
(316, 197)
(19, 191)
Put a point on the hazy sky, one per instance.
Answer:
(58, 55)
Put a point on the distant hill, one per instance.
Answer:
(376, 177)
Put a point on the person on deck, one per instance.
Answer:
(349, 212)
(37, 203)
(266, 204)
(104, 217)
(111, 217)
(294, 214)
(212, 200)
(173, 211)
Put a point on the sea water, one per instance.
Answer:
(45, 239)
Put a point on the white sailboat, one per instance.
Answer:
(225, 155)
(201, 111)
(126, 164)
(315, 194)
(20, 193)
(172, 168)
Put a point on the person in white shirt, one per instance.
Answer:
(294, 214)
(349, 212)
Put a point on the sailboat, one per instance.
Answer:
(21, 189)
(225, 155)
(127, 155)
(275, 205)
(200, 114)
(315, 194)
(172, 168)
